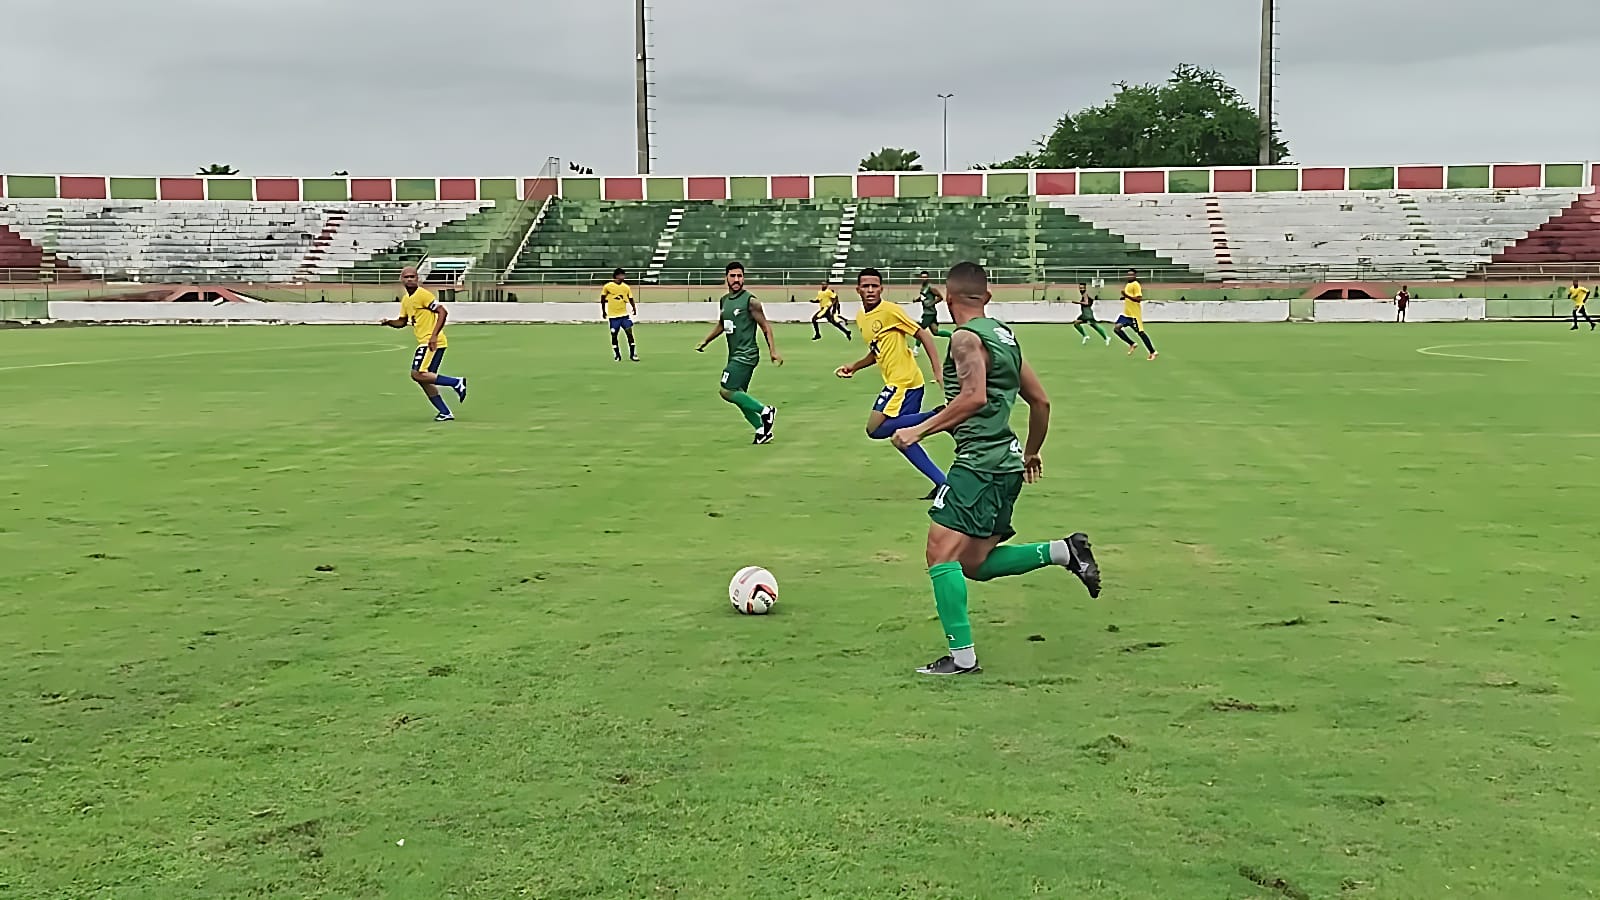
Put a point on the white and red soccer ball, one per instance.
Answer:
(753, 591)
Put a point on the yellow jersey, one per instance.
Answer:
(616, 297)
(1578, 295)
(418, 308)
(889, 330)
(1133, 301)
(827, 299)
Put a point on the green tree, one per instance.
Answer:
(892, 159)
(217, 169)
(1194, 118)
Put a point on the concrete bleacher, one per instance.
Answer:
(592, 237)
(484, 231)
(1570, 240)
(768, 236)
(143, 240)
(1403, 235)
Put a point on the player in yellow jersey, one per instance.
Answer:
(827, 308)
(427, 316)
(1580, 298)
(888, 329)
(616, 299)
(1133, 314)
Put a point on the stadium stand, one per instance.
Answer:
(767, 236)
(1288, 236)
(1573, 236)
(488, 233)
(220, 240)
(17, 252)
(592, 237)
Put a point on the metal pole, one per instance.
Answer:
(946, 131)
(1268, 9)
(641, 88)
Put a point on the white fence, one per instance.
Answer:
(1020, 313)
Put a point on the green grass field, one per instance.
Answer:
(262, 621)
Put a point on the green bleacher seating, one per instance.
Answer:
(583, 240)
(770, 237)
(490, 236)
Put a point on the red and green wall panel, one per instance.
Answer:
(863, 185)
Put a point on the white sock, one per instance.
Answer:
(966, 657)
(1060, 554)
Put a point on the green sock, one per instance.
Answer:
(1013, 559)
(750, 406)
(950, 597)
(1079, 329)
(1096, 327)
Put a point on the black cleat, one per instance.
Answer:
(461, 389)
(1083, 564)
(769, 418)
(763, 437)
(946, 665)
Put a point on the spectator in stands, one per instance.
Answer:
(1401, 301)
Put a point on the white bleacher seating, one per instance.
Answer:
(221, 240)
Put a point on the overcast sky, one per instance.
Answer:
(474, 87)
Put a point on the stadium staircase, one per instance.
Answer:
(23, 260)
(1570, 241)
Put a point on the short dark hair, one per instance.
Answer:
(967, 279)
(618, 271)
(731, 266)
(869, 272)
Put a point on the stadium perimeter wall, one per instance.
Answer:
(1460, 310)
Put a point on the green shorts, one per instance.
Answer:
(1085, 317)
(736, 376)
(977, 504)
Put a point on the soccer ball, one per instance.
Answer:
(753, 591)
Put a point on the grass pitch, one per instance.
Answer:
(262, 621)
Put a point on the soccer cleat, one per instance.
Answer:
(946, 665)
(816, 337)
(769, 418)
(1082, 563)
(461, 389)
(1084, 341)
(632, 356)
(1108, 340)
(1153, 355)
(1131, 348)
(762, 437)
(444, 417)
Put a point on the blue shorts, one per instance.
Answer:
(424, 361)
(895, 401)
(1123, 321)
(621, 322)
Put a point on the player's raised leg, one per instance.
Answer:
(898, 408)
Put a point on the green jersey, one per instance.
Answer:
(740, 328)
(930, 306)
(985, 442)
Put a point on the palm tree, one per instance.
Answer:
(892, 159)
(217, 169)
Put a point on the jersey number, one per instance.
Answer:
(727, 325)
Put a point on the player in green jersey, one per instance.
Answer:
(983, 374)
(1086, 317)
(741, 316)
(929, 297)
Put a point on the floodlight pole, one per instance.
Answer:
(946, 133)
(1268, 41)
(641, 87)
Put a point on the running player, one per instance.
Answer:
(827, 308)
(427, 316)
(886, 327)
(983, 374)
(1580, 298)
(1086, 317)
(930, 298)
(1133, 314)
(741, 316)
(616, 300)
